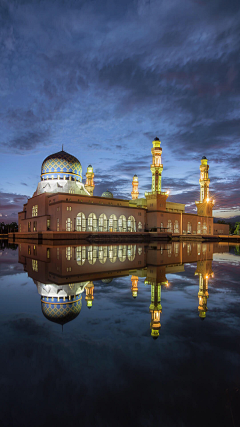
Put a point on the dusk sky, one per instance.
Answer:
(104, 78)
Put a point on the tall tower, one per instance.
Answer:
(89, 294)
(134, 288)
(89, 180)
(155, 309)
(204, 205)
(204, 271)
(135, 192)
(156, 166)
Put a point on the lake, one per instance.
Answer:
(114, 335)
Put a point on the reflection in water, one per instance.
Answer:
(62, 274)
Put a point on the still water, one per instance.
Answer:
(120, 335)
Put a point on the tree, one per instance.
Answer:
(237, 229)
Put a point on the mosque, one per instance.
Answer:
(62, 203)
(67, 275)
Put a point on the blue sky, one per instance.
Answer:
(104, 78)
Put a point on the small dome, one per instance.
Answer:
(61, 165)
(106, 280)
(135, 176)
(89, 166)
(61, 311)
(204, 158)
(107, 194)
(156, 139)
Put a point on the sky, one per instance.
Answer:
(104, 78)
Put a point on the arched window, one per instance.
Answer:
(81, 222)
(140, 226)
(189, 227)
(68, 224)
(176, 248)
(161, 227)
(139, 250)
(102, 254)
(122, 252)
(199, 228)
(131, 251)
(112, 253)
(204, 228)
(92, 222)
(112, 226)
(92, 254)
(176, 226)
(71, 191)
(102, 223)
(69, 253)
(131, 224)
(169, 226)
(81, 254)
(122, 223)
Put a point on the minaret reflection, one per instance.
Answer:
(204, 271)
(89, 294)
(156, 278)
(134, 288)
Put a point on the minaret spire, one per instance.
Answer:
(62, 147)
(156, 166)
(204, 205)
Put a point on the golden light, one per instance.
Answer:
(207, 199)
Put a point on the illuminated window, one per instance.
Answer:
(170, 226)
(112, 253)
(131, 224)
(35, 210)
(29, 250)
(102, 254)
(140, 226)
(57, 224)
(176, 248)
(92, 254)
(35, 265)
(204, 228)
(81, 255)
(68, 224)
(34, 250)
(161, 227)
(169, 250)
(34, 225)
(81, 222)
(113, 223)
(48, 253)
(122, 223)
(122, 252)
(131, 251)
(29, 226)
(69, 269)
(48, 224)
(189, 227)
(69, 253)
(189, 248)
(139, 250)
(176, 226)
(69, 208)
(199, 228)
(71, 191)
(92, 222)
(102, 223)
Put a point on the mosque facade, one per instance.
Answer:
(62, 203)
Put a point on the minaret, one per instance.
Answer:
(89, 294)
(204, 206)
(204, 271)
(134, 288)
(89, 180)
(156, 166)
(135, 192)
(155, 309)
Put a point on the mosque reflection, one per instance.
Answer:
(63, 274)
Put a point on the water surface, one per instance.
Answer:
(159, 344)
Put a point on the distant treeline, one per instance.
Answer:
(8, 228)
(234, 228)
